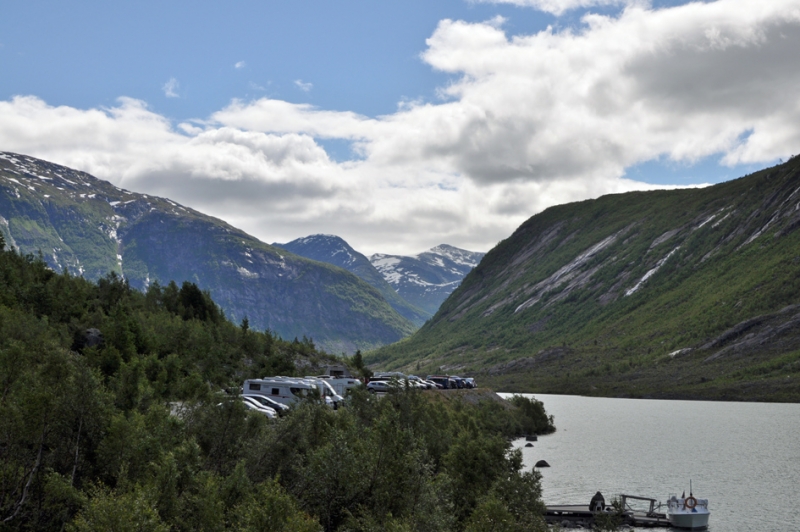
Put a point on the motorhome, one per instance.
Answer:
(341, 385)
(285, 390)
(289, 390)
(326, 389)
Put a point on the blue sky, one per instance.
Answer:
(330, 82)
(358, 55)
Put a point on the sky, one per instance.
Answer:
(400, 125)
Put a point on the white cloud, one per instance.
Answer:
(303, 86)
(240, 64)
(558, 7)
(170, 88)
(531, 121)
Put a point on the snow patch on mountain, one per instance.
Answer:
(426, 279)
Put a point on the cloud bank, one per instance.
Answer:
(531, 121)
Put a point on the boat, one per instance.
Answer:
(688, 512)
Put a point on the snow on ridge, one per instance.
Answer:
(384, 261)
(462, 257)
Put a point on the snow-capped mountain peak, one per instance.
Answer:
(426, 279)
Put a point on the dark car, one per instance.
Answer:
(441, 380)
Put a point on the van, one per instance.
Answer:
(326, 390)
(285, 390)
(341, 384)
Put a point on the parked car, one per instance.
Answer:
(420, 382)
(256, 406)
(470, 382)
(441, 380)
(378, 386)
(280, 408)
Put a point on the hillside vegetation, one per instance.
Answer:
(113, 417)
(685, 293)
(91, 228)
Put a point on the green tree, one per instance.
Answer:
(121, 512)
(271, 509)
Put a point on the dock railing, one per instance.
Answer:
(627, 508)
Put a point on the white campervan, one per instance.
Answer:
(341, 384)
(289, 390)
(326, 390)
(281, 389)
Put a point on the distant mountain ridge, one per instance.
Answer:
(427, 279)
(91, 227)
(334, 250)
(690, 293)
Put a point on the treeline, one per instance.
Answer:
(112, 417)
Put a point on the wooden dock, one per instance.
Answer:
(581, 514)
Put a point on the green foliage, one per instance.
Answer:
(271, 509)
(120, 512)
(114, 416)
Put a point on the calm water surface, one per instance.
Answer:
(743, 457)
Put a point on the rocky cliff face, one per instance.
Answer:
(91, 228)
(686, 293)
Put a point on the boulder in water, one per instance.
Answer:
(528, 445)
(542, 463)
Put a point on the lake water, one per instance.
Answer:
(743, 457)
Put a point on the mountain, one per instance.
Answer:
(691, 293)
(334, 250)
(425, 280)
(91, 228)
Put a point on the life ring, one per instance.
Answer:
(690, 502)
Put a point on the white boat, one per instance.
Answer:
(688, 512)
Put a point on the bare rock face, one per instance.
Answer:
(88, 338)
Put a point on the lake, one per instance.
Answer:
(743, 457)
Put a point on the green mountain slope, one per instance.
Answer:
(685, 293)
(91, 227)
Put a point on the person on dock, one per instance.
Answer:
(598, 503)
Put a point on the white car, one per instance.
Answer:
(378, 386)
(279, 408)
(421, 383)
(252, 404)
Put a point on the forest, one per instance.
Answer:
(118, 411)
